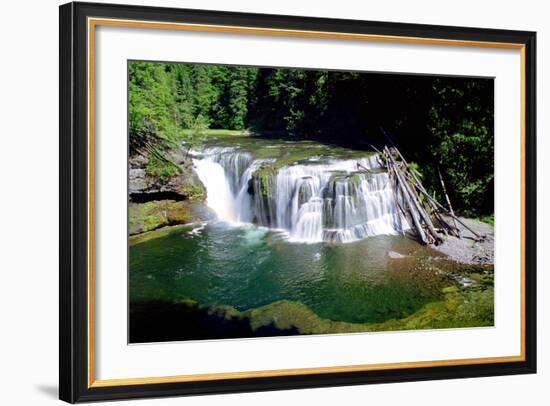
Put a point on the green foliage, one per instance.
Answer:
(415, 169)
(437, 122)
(193, 191)
(461, 124)
(161, 167)
(165, 100)
(198, 131)
(240, 81)
(489, 219)
(149, 101)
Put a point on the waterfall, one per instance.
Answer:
(314, 201)
(219, 196)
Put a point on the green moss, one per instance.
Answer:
(151, 235)
(284, 151)
(225, 311)
(215, 132)
(286, 314)
(460, 308)
(144, 217)
(489, 219)
(187, 302)
(470, 307)
(161, 168)
(354, 179)
(264, 174)
(193, 191)
(267, 153)
(450, 289)
(294, 155)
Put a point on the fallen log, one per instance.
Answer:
(422, 212)
(414, 201)
(448, 201)
(443, 208)
(417, 183)
(417, 212)
(398, 204)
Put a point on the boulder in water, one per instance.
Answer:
(396, 255)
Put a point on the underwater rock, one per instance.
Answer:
(396, 255)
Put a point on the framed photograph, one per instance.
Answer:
(254, 202)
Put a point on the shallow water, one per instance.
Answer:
(246, 267)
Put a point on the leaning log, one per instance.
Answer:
(448, 201)
(408, 199)
(418, 184)
(415, 203)
(413, 198)
(444, 209)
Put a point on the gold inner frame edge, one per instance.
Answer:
(94, 22)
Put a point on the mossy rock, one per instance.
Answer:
(286, 314)
(355, 179)
(190, 186)
(193, 191)
(157, 233)
(262, 178)
(144, 217)
(458, 308)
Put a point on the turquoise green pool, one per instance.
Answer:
(248, 267)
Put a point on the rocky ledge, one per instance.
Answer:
(184, 185)
(156, 202)
(151, 215)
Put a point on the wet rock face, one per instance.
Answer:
(182, 186)
(137, 182)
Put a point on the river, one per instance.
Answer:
(317, 228)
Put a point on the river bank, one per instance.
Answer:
(468, 250)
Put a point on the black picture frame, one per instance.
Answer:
(74, 384)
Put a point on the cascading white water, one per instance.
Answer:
(219, 196)
(336, 200)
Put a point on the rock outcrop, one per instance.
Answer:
(143, 187)
(156, 202)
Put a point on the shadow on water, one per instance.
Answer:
(160, 321)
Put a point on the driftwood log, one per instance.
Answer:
(427, 218)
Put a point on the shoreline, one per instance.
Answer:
(467, 250)
(160, 321)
